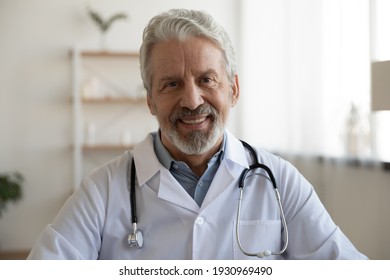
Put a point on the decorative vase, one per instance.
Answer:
(103, 41)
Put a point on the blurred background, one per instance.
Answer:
(315, 89)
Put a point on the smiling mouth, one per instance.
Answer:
(197, 119)
(193, 121)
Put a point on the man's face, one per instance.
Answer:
(190, 94)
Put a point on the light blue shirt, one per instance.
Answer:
(195, 186)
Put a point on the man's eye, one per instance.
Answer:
(171, 84)
(206, 80)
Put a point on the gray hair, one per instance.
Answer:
(180, 24)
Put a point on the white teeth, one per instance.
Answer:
(194, 122)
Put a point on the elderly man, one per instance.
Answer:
(176, 194)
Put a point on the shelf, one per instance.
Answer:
(14, 255)
(109, 54)
(100, 100)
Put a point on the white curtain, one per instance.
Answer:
(304, 63)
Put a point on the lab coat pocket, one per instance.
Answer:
(257, 236)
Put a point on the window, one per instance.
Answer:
(305, 77)
(380, 25)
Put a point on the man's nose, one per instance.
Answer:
(192, 96)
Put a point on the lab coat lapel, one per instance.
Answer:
(222, 181)
(229, 172)
(171, 191)
(167, 186)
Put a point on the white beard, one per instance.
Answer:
(197, 142)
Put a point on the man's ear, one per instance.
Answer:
(235, 91)
(151, 105)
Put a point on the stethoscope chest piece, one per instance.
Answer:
(136, 239)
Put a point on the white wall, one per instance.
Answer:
(35, 108)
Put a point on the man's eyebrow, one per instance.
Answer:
(176, 77)
(164, 79)
(207, 72)
(167, 78)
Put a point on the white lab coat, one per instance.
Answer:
(95, 221)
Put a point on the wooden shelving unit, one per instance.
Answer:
(106, 147)
(124, 97)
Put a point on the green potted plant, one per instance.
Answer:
(104, 24)
(10, 189)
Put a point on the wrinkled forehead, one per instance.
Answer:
(195, 54)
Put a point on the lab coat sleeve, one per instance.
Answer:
(53, 246)
(76, 231)
(312, 232)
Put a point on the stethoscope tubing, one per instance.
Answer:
(134, 219)
(241, 185)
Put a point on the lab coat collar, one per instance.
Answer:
(146, 160)
(235, 151)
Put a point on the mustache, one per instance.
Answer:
(204, 109)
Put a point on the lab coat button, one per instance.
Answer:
(199, 221)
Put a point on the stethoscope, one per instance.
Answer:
(135, 238)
